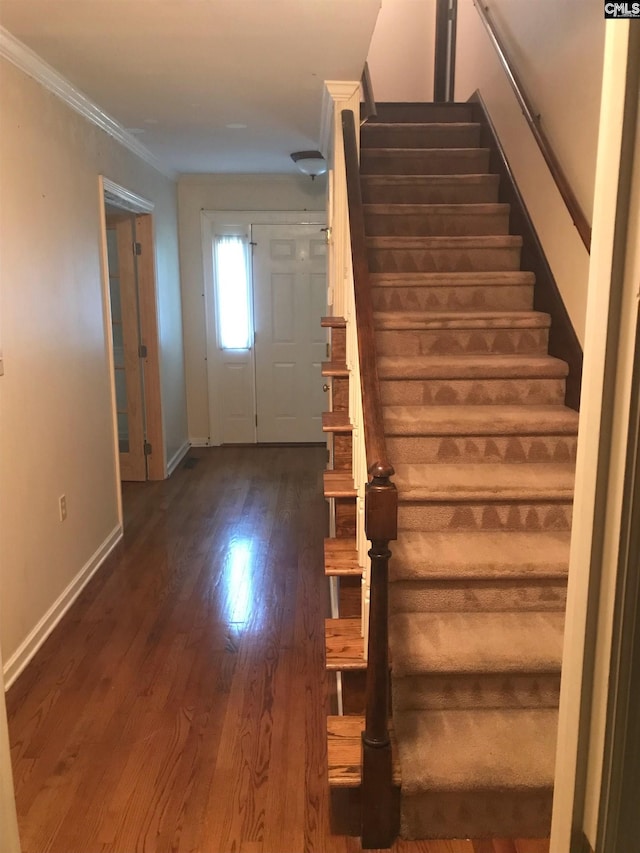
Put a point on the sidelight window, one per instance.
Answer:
(231, 276)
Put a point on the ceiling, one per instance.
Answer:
(205, 85)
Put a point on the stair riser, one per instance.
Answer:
(465, 392)
(453, 298)
(471, 595)
(415, 112)
(436, 225)
(345, 517)
(485, 192)
(338, 344)
(339, 394)
(526, 516)
(427, 136)
(462, 692)
(354, 688)
(462, 341)
(471, 814)
(474, 449)
(342, 454)
(350, 597)
(491, 259)
(464, 161)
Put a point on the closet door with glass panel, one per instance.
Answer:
(125, 327)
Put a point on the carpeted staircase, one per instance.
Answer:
(483, 449)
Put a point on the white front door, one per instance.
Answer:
(290, 297)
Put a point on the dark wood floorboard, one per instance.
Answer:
(180, 705)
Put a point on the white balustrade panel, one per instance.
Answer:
(340, 96)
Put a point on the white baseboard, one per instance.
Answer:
(199, 442)
(177, 458)
(27, 649)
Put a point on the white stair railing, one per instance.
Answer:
(340, 294)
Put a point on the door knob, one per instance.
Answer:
(325, 387)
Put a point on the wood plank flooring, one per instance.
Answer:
(180, 705)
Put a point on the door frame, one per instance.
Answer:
(243, 219)
(112, 193)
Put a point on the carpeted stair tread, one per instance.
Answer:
(433, 243)
(476, 643)
(429, 180)
(520, 481)
(507, 278)
(424, 161)
(476, 750)
(412, 150)
(479, 420)
(494, 554)
(470, 367)
(435, 209)
(419, 134)
(398, 126)
(438, 220)
(419, 111)
(408, 320)
(480, 291)
(452, 188)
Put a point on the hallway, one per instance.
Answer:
(181, 703)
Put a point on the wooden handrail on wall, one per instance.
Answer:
(533, 120)
(381, 519)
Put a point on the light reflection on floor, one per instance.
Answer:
(237, 577)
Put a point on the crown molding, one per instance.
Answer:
(13, 50)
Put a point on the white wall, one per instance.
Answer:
(401, 51)
(56, 421)
(557, 47)
(172, 371)
(222, 192)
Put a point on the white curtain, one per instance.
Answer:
(231, 275)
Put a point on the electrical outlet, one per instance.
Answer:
(62, 505)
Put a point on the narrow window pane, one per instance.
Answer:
(232, 293)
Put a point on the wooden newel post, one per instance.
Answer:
(379, 812)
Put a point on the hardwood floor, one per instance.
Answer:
(180, 705)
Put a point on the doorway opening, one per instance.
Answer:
(264, 374)
(132, 333)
